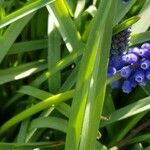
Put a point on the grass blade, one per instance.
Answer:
(29, 146)
(140, 38)
(57, 67)
(122, 10)
(140, 138)
(85, 92)
(22, 12)
(42, 95)
(28, 46)
(125, 24)
(63, 21)
(128, 111)
(49, 122)
(11, 34)
(22, 71)
(54, 45)
(36, 108)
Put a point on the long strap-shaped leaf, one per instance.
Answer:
(22, 71)
(65, 25)
(122, 9)
(91, 83)
(35, 109)
(11, 34)
(27, 9)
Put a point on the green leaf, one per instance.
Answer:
(54, 49)
(79, 8)
(29, 146)
(22, 71)
(49, 122)
(127, 126)
(70, 81)
(147, 148)
(11, 34)
(35, 92)
(42, 95)
(125, 24)
(128, 111)
(91, 82)
(28, 46)
(99, 146)
(71, 6)
(63, 21)
(140, 138)
(35, 109)
(24, 11)
(143, 24)
(122, 9)
(57, 67)
(140, 38)
(23, 131)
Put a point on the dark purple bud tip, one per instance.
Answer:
(115, 85)
(145, 64)
(135, 50)
(130, 58)
(148, 74)
(139, 76)
(125, 72)
(146, 45)
(126, 87)
(144, 53)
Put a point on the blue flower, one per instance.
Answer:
(139, 76)
(111, 71)
(132, 82)
(146, 45)
(148, 74)
(132, 65)
(135, 50)
(116, 61)
(145, 64)
(130, 58)
(144, 52)
(126, 71)
(126, 87)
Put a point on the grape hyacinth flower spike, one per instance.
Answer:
(133, 66)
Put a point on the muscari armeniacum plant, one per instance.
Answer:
(132, 64)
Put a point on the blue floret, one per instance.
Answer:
(145, 53)
(126, 71)
(145, 64)
(139, 76)
(148, 74)
(130, 58)
(146, 45)
(126, 87)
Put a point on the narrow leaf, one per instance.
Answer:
(49, 122)
(25, 10)
(128, 111)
